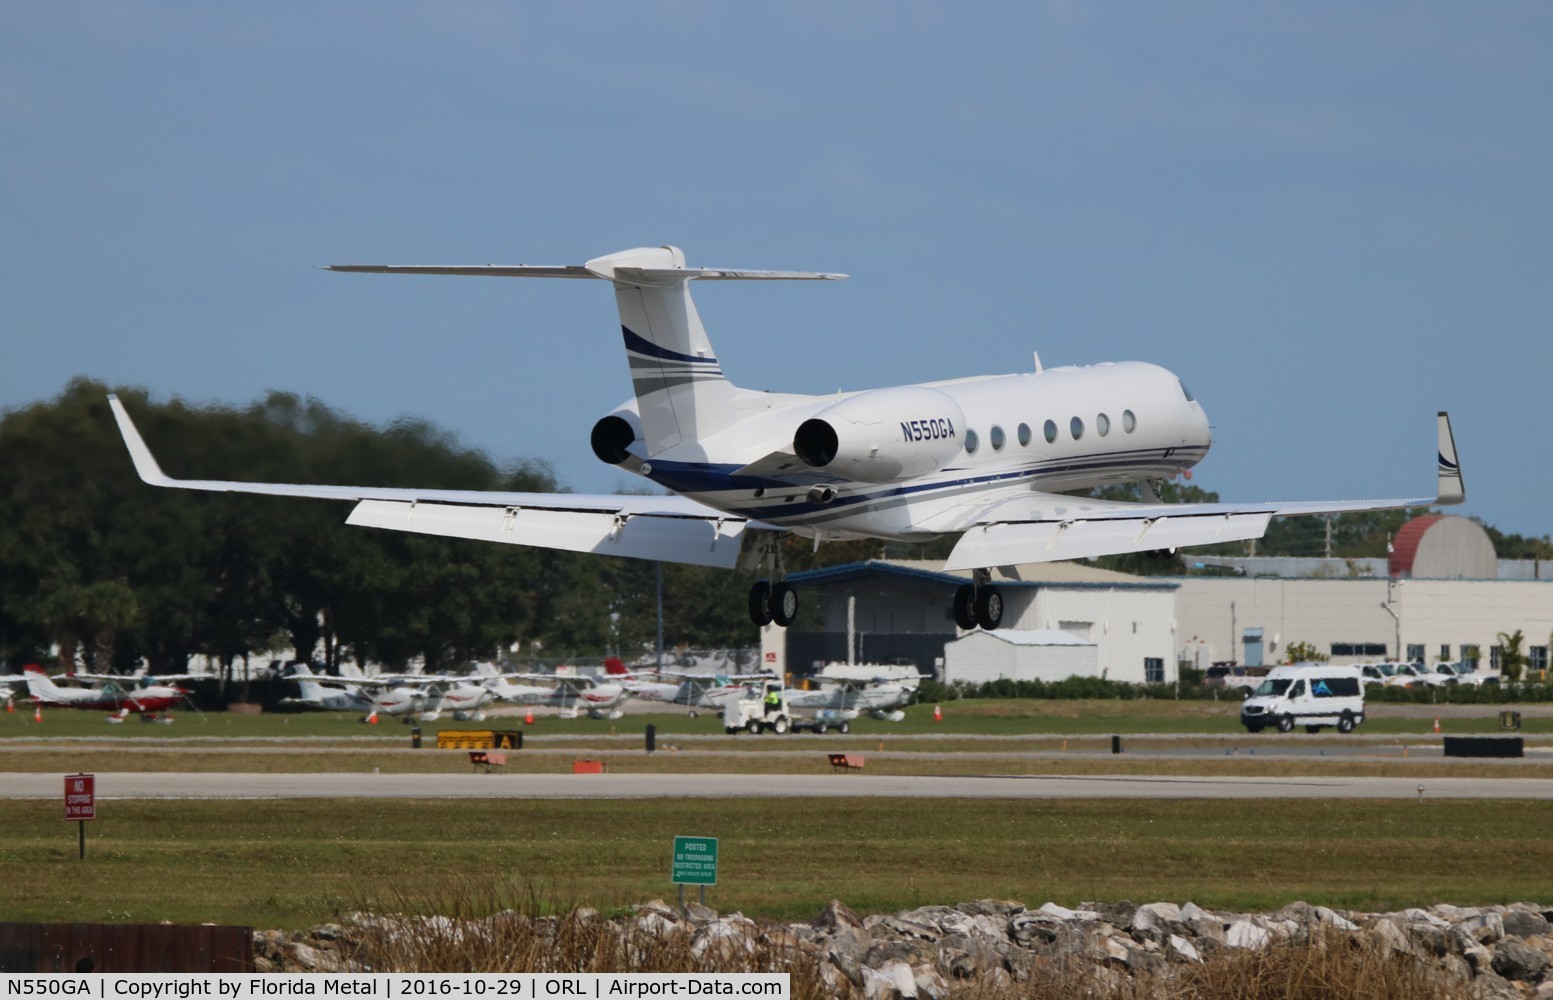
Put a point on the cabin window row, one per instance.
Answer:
(997, 438)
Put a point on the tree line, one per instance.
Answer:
(113, 572)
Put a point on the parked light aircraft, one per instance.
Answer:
(984, 458)
(879, 697)
(566, 692)
(358, 694)
(676, 687)
(108, 698)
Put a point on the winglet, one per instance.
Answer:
(145, 464)
(1452, 489)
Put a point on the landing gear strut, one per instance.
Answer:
(978, 604)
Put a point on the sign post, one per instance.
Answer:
(81, 802)
(695, 863)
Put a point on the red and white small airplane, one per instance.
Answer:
(111, 697)
(987, 459)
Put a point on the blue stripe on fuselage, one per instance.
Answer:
(702, 479)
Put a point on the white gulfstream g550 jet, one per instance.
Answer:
(985, 458)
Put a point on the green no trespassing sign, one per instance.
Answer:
(695, 861)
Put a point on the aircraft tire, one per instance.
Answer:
(965, 606)
(989, 608)
(783, 604)
(760, 603)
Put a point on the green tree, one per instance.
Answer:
(1303, 652)
(1512, 662)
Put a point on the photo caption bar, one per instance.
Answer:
(396, 985)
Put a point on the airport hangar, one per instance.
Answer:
(1441, 595)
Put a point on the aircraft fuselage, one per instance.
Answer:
(906, 458)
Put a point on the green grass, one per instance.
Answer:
(996, 717)
(293, 863)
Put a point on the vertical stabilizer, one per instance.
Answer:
(681, 391)
(39, 685)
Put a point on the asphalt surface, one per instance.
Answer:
(127, 785)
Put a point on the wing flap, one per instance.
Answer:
(698, 541)
(1005, 542)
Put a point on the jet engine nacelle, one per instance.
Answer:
(884, 435)
(613, 437)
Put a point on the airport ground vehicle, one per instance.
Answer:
(1309, 695)
(767, 710)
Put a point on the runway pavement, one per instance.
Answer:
(129, 785)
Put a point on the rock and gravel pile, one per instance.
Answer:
(1492, 951)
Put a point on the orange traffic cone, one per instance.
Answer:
(37, 713)
(938, 714)
(10, 707)
(1436, 725)
(372, 719)
(528, 717)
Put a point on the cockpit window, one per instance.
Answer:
(1186, 392)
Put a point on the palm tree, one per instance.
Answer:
(1511, 660)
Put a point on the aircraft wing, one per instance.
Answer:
(1045, 527)
(666, 528)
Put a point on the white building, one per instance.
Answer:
(1020, 655)
(883, 612)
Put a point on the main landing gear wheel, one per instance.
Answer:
(783, 604)
(773, 603)
(965, 606)
(989, 608)
(760, 603)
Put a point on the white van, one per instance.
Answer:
(1307, 694)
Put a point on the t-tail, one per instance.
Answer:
(681, 392)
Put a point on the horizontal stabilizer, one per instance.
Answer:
(644, 266)
(692, 540)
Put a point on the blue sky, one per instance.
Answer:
(1330, 219)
